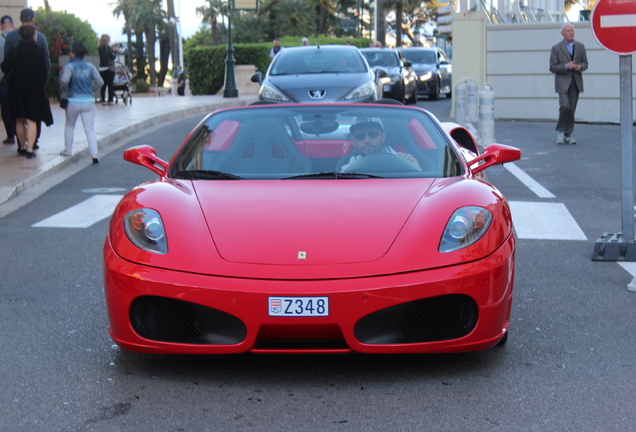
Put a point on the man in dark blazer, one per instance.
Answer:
(567, 60)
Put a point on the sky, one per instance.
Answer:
(99, 14)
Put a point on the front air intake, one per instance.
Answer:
(428, 320)
(168, 320)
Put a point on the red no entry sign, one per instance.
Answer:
(614, 25)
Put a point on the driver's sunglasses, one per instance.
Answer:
(373, 134)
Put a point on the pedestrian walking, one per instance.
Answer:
(79, 80)
(275, 49)
(12, 39)
(181, 81)
(567, 60)
(28, 101)
(6, 23)
(107, 56)
(304, 42)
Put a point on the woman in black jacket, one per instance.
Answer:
(107, 55)
(28, 101)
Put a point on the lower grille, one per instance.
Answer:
(168, 320)
(427, 320)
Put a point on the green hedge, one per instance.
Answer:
(205, 66)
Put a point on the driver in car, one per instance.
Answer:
(368, 136)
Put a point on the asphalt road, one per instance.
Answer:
(569, 365)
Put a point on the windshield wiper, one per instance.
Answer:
(332, 175)
(206, 175)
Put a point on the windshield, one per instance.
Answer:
(419, 56)
(317, 60)
(387, 59)
(339, 142)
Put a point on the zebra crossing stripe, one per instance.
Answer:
(84, 214)
(544, 221)
(531, 183)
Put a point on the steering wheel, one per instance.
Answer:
(380, 162)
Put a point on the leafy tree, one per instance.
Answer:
(410, 14)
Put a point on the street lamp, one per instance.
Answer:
(230, 89)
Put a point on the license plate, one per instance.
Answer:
(387, 88)
(299, 306)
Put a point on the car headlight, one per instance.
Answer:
(365, 89)
(465, 227)
(385, 80)
(270, 93)
(426, 76)
(144, 228)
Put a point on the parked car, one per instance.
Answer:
(433, 69)
(324, 73)
(401, 81)
(313, 228)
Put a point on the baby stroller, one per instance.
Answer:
(121, 83)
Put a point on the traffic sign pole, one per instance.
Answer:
(627, 139)
(614, 27)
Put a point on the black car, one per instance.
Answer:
(400, 84)
(324, 73)
(434, 71)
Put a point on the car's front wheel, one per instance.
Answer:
(413, 98)
(434, 95)
(503, 340)
(401, 93)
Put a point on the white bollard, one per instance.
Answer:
(472, 109)
(461, 89)
(486, 116)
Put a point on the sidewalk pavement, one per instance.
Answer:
(112, 123)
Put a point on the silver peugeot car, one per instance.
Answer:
(323, 73)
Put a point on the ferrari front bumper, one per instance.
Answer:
(454, 309)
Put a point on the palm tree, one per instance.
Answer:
(324, 9)
(124, 7)
(172, 26)
(209, 14)
(381, 22)
(294, 18)
(147, 15)
(249, 27)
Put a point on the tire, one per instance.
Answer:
(400, 96)
(435, 94)
(413, 98)
(503, 340)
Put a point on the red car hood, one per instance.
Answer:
(307, 222)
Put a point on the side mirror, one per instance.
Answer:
(408, 64)
(257, 78)
(495, 154)
(379, 74)
(146, 156)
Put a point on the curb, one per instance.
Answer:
(54, 166)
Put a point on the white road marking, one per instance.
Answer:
(544, 221)
(610, 21)
(631, 269)
(531, 183)
(84, 214)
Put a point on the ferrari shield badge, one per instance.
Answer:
(302, 255)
